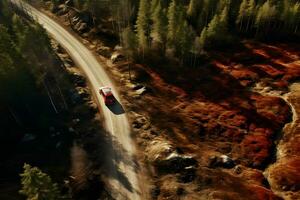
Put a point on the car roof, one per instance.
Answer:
(106, 90)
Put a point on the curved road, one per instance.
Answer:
(126, 185)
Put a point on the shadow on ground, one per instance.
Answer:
(101, 157)
(116, 108)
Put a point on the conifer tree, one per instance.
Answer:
(194, 9)
(129, 41)
(203, 38)
(172, 23)
(216, 33)
(266, 13)
(242, 13)
(37, 185)
(154, 4)
(142, 25)
(251, 11)
(295, 10)
(159, 27)
(185, 42)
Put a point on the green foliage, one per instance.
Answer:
(194, 8)
(142, 25)
(172, 24)
(154, 4)
(216, 33)
(176, 19)
(129, 41)
(37, 185)
(159, 27)
(266, 13)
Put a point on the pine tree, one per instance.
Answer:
(37, 185)
(185, 42)
(154, 4)
(172, 23)
(142, 25)
(286, 14)
(266, 13)
(129, 41)
(216, 33)
(251, 11)
(242, 13)
(223, 24)
(194, 9)
(295, 10)
(159, 30)
(203, 38)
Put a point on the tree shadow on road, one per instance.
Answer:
(105, 155)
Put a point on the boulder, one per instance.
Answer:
(83, 93)
(136, 86)
(167, 159)
(140, 122)
(118, 48)
(221, 161)
(175, 163)
(81, 27)
(67, 62)
(141, 91)
(104, 51)
(116, 57)
(238, 169)
(158, 150)
(75, 20)
(78, 79)
(62, 10)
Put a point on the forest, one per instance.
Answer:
(32, 100)
(211, 111)
(177, 28)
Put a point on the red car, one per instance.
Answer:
(107, 95)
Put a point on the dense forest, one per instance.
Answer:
(33, 102)
(184, 28)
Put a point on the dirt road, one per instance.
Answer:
(126, 184)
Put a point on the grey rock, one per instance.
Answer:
(62, 10)
(175, 163)
(221, 161)
(116, 57)
(104, 51)
(82, 27)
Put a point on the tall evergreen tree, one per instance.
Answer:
(186, 36)
(194, 9)
(295, 16)
(129, 41)
(266, 13)
(154, 4)
(172, 22)
(159, 27)
(216, 33)
(242, 13)
(251, 12)
(142, 25)
(37, 185)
